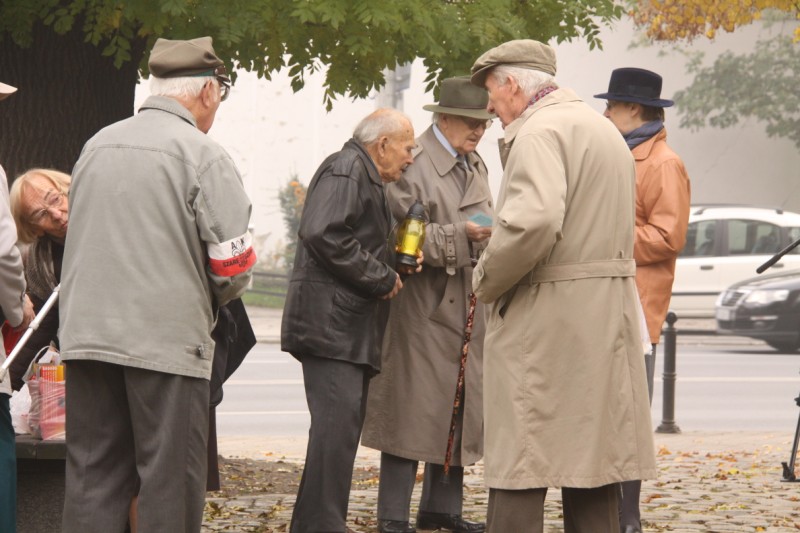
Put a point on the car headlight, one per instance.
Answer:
(766, 297)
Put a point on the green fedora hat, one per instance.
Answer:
(457, 96)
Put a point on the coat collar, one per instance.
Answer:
(558, 96)
(170, 105)
(372, 169)
(444, 163)
(642, 151)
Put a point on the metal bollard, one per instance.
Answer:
(668, 408)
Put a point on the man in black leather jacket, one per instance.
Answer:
(337, 306)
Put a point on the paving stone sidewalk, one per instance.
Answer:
(712, 482)
(715, 482)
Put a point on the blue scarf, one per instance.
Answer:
(642, 133)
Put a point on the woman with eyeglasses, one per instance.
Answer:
(40, 208)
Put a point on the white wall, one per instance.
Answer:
(272, 132)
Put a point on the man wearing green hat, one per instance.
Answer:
(411, 401)
(16, 308)
(158, 241)
(565, 391)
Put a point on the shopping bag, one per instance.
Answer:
(47, 386)
(20, 408)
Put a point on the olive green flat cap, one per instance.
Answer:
(6, 90)
(522, 53)
(458, 96)
(173, 59)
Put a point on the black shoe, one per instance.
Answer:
(450, 522)
(395, 526)
(631, 529)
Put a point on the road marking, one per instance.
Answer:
(736, 380)
(261, 413)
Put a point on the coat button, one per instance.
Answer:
(452, 300)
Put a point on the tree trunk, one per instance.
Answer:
(67, 91)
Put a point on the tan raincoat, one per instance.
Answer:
(411, 400)
(565, 392)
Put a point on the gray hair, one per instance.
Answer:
(382, 122)
(529, 80)
(180, 87)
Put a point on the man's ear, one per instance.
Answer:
(207, 94)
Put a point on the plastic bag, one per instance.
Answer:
(47, 387)
(20, 407)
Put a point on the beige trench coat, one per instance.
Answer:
(565, 392)
(411, 401)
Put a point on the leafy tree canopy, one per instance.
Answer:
(670, 20)
(355, 39)
(761, 84)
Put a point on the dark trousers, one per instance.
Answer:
(336, 392)
(8, 468)
(127, 426)
(629, 513)
(440, 493)
(585, 510)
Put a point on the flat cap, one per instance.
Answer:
(6, 90)
(173, 59)
(522, 53)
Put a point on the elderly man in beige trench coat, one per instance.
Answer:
(411, 402)
(565, 392)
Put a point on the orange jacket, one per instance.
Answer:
(662, 215)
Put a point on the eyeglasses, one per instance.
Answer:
(610, 104)
(221, 73)
(476, 123)
(52, 202)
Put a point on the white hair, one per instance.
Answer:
(529, 80)
(379, 123)
(180, 87)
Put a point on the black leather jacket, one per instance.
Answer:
(342, 264)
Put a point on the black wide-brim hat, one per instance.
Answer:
(635, 85)
(457, 96)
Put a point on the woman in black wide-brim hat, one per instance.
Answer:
(636, 108)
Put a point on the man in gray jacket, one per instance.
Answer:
(157, 242)
(16, 308)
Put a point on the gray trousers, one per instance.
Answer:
(522, 511)
(128, 424)
(336, 392)
(629, 513)
(440, 493)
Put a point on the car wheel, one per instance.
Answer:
(785, 346)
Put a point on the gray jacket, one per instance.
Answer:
(157, 240)
(12, 280)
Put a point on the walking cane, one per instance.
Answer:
(33, 326)
(473, 301)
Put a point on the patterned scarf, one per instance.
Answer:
(642, 133)
(541, 94)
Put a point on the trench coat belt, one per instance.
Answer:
(610, 268)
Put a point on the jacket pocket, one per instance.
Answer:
(351, 301)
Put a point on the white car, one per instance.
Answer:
(725, 245)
